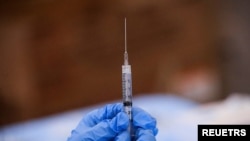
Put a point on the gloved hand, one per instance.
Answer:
(111, 123)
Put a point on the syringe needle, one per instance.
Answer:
(125, 53)
(125, 34)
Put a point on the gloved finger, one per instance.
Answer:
(145, 135)
(103, 131)
(124, 136)
(142, 119)
(107, 112)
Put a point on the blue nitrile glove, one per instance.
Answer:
(111, 123)
(144, 126)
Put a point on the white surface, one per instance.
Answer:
(177, 118)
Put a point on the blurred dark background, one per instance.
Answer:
(56, 55)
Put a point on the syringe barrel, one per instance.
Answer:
(127, 89)
(127, 96)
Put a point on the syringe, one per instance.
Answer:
(127, 87)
